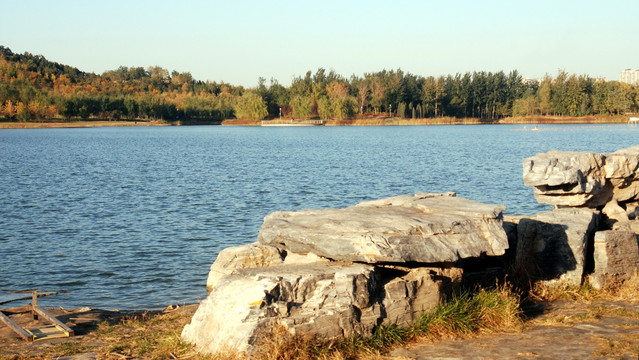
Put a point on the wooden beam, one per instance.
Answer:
(57, 323)
(15, 327)
(40, 294)
(34, 304)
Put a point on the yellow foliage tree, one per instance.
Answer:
(9, 110)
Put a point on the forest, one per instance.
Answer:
(33, 88)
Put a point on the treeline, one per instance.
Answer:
(33, 88)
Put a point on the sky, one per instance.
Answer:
(239, 41)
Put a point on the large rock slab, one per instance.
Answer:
(553, 245)
(311, 299)
(616, 255)
(583, 178)
(424, 228)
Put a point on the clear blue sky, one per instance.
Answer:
(237, 41)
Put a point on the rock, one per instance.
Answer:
(233, 258)
(338, 272)
(553, 245)
(632, 209)
(616, 255)
(406, 297)
(253, 255)
(631, 225)
(425, 228)
(614, 212)
(583, 178)
(313, 299)
(567, 178)
(510, 227)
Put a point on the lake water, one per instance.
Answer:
(132, 218)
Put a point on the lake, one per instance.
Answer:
(132, 218)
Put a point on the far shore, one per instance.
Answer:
(394, 121)
(365, 121)
(78, 124)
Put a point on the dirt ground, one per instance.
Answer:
(83, 322)
(558, 331)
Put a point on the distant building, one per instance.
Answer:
(629, 76)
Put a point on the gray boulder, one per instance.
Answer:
(424, 228)
(583, 178)
(552, 245)
(616, 255)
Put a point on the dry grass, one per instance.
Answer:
(146, 336)
(585, 313)
(627, 291)
(385, 121)
(586, 304)
(142, 336)
(539, 119)
(620, 347)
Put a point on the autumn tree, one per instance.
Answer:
(363, 90)
(377, 94)
(9, 110)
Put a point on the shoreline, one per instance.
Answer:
(79, 124)
(378, 121)
(386, 121)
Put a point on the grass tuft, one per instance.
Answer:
(484, 311)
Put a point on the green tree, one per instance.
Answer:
(401, 110)
(22, 112)
(544, 95)
(433, 93)
(525, 106)
(302, 106)
(324, 108)
(250, 106)
(344, 107)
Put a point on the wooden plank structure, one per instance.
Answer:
(61, 330)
